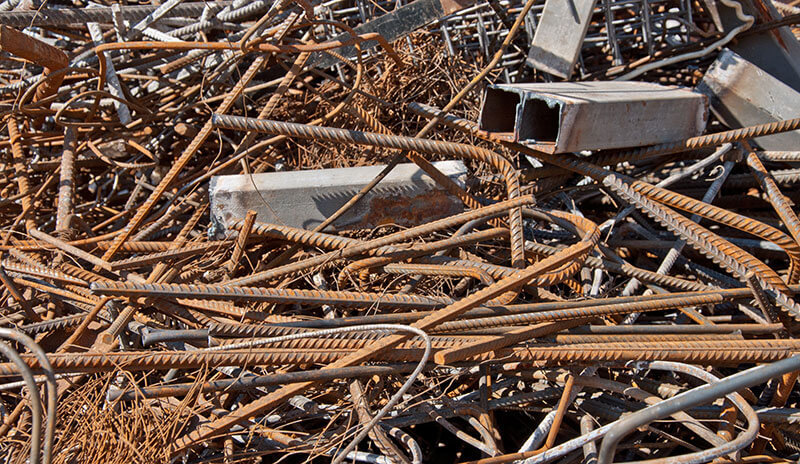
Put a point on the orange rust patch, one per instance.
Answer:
(406, 211)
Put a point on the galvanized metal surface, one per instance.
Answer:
(304, 199)
(559, 36)
(742, 94)
(569, 117)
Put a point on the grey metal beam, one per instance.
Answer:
(742, 94)
(776, 51)
(566, 117)
(407, 196)
(559, 36)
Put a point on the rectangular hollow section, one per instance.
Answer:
(564, 117)
(499, 112)
(528, 118)
(539, 121)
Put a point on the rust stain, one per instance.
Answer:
(407, 211)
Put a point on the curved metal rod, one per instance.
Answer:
(501, 164)
(650, 399)
(52, 393)
(36, 402)
(694, 397)
(473, 419)
(340, 456)
(744, 439)
(489, 448)
(413, 447)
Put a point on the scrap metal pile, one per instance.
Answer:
(399, 232)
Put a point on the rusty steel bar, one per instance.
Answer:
(243, 330)
(241, 241)
(159, 257)
(724, 352)
(403, 143)
(398, 254)
(368, 351)
(581, 313)
(23, 184)
(66, 188)
(49, 57)
(8, 282)
(247, 383)
(363, 247)
(774, 194)
(67, 248)
(274, 295)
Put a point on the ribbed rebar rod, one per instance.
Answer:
(246, 383)
(733, 258)
(580, 313)
(65, 16)
(364, 247)
(272, 295)
(510, 175)
(727, 352)
(775, 196)
(263, 330)
(66, 188)
(712, 140)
